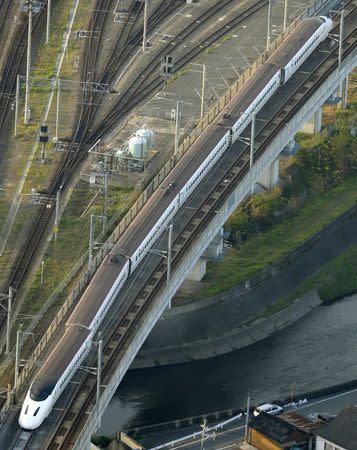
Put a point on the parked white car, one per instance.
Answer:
(269, 409)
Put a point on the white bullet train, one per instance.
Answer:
(72, 348)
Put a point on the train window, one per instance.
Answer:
(37, 410)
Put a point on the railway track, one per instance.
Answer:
(4, 9)
(72, 159)
(139, 90)
(135, 312)
(16, 58)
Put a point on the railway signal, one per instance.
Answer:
(167, 66)
(43, 138)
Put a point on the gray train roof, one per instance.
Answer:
(304, 30)
(97, 289)
(59, 360)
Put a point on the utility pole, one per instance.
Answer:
(145, 24)
(285, 14)
(247, 419)
(9, 308)
(48, 21)
(203, 89)
(17, 103)
(28, 65)
(58, 106)
(252, 140)
(99, 375)
(268, 27)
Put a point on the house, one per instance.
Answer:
(288, 431)
(340, 433)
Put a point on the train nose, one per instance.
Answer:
(31, 416)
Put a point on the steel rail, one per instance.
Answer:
(4, 9)
(13, 64)
(69, 165)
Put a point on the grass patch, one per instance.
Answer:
(257, 253)
(334, 280)
(72, 240)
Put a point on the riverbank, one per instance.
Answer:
(235, 339)
(220, 324)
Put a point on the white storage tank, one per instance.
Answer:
(138, 147)
(148, 135)
(119, 153)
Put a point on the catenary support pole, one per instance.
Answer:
(105, 199)
(340, 52)
(268, 26)
(169, 254)
(340, 41)
(99, 376)
(145, 25)
(285, 14)
(8, 321)
(28, 65)
(58, 200)
(203, 90)
(42, 269)
(48, 28)
(176, 125)
(91, 239)
(17, 360)
(252, 141)
(17, 103)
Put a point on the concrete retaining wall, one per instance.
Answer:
(234, 339)
(182, 334)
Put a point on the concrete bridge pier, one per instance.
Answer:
(314, 124)
(344, 93)
(213, 252)
(270, 177)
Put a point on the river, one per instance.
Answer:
(317, 351)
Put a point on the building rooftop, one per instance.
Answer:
(278, 429)
(342, 430)
(301, 422)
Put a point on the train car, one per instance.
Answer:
(279, 67)
(109, 279)
(74, 345)
(308, 34)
